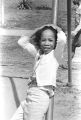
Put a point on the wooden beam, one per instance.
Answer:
(54, 11)
(69, 40)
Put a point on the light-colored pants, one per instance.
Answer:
(34, 107)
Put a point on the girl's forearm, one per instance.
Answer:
(23, 41)
(59, 51)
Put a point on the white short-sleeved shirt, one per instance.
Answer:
(46, 69)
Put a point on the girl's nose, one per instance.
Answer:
(47, 42)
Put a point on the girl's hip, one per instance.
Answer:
(37, 93)
(36, 101)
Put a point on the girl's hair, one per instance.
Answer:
(76, 41)
(35, 39)
(76, 2)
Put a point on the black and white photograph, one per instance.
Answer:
(40, 59)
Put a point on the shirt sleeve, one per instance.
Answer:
(24, 43)
(61, 37)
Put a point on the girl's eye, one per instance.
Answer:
(43, 40)
(51, 40)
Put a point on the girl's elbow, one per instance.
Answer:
(62, 37)
(19, 42)
(23, 41)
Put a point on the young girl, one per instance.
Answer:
(42, 45)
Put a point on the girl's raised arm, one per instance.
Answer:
(61, 41)
(25, 43)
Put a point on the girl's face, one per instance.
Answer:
(47, 41)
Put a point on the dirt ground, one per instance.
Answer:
(17, 66)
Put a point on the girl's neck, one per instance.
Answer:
(42, 52)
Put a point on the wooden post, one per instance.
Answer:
(54, 21)
(50, 112)
(54, 11)
(69, 40)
